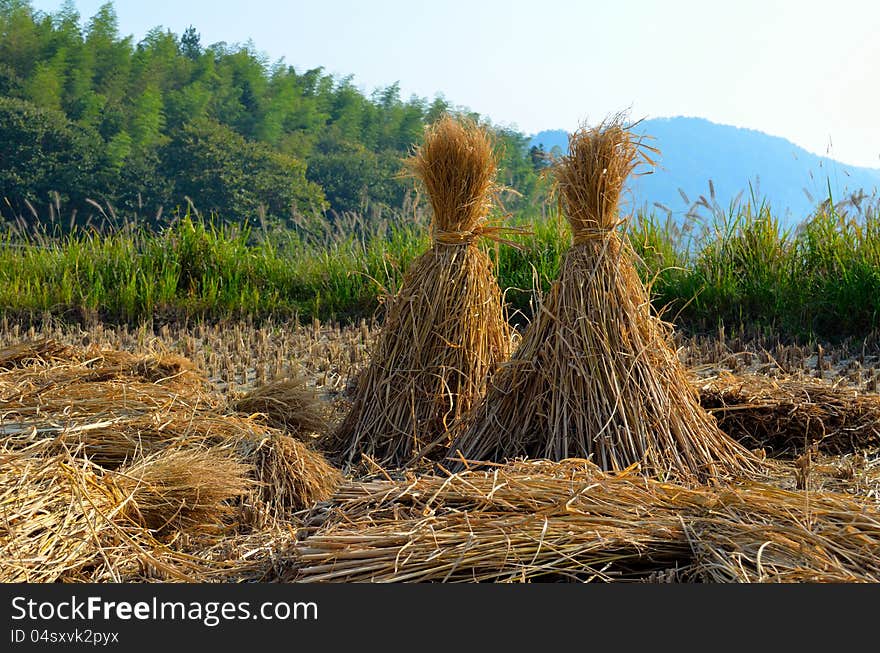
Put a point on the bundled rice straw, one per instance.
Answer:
(291, 476)
(67, 519)
(834, 544)
(46, 531)
(181, 490)
(542, 520)
(87, 381)
(116, 467)
(114, 425)
(595, 374)
(288, 404)
(787, 416)
(445, 330)
(96, 364)
(26, 354)
(125, 420)
(167, 517)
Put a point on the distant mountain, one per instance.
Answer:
(694, 151)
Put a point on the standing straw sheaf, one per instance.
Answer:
(596, 375)
(446, 329)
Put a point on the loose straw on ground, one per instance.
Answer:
(445, 330)
(68, 519)
(539, 520)
(788, 416)
(596, 375)
(117, 467)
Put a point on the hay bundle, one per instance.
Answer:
(106, 476)
(746, 548)
(37, 352)
(288, 404)
(445, 331)
(68, 519)
(47, 530)
(788, 416)
(569, 520)
(181, 490)
(87, 381)
(125, 420)
(99, 364)
(25, 397)
(291, 476)
(595, 374)
(115, 437)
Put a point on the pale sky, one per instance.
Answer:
(806, 70)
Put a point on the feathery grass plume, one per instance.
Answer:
(288, 404)
(446, 330)
(787, 416)
(596, 375)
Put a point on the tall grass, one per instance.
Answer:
(739, 268)
(744, 269)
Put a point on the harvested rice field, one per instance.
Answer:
(195, 453)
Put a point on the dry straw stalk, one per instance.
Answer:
(68, 519)
(596, 375)
(114, 467)
(288, 404)
(539, 520)
(446, 330)
(788, 416)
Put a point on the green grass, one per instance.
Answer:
(739, 269)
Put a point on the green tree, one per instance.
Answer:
(43, 152)
(222, 171)
(168, 117)
(191, 44)
(20, 46)
(147, 119)
(45, 86)
(438, 107)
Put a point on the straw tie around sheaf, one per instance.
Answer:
(589, 234)
(491, 231)
(584, 237)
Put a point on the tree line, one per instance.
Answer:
(88, 116)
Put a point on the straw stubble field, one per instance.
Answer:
(141, 456)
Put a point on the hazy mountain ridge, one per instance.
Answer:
(695, 150)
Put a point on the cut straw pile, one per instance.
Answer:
(788, 416)
(596, 375)
(68, 519)
(115, 467)
(288, 404)
(445, 331)
(538, 520)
